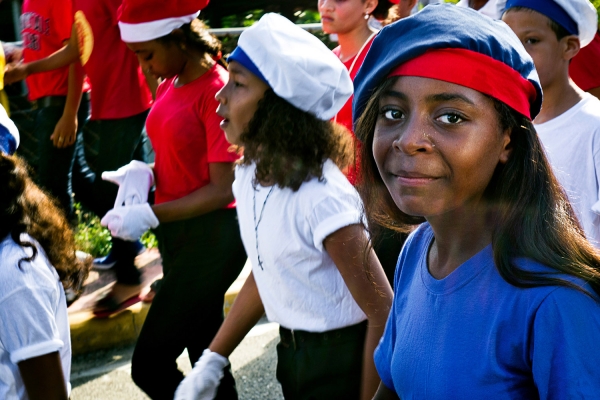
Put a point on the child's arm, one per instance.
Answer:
(43, 377)
(244, 314)
(63, 57)
(65, 130)
(213, 196)
(204, 379)
(367, 283)
(383, 393)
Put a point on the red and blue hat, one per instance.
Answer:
(456, 45)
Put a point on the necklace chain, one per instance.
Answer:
(260, 263)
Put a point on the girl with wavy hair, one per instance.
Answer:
(299, 219)
(37, 264)
(497, 290)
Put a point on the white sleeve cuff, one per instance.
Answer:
(332, 224)
(36, 350)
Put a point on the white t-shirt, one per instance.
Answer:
(33, 315)
(572, 144)
(299, 284)
(493, 8)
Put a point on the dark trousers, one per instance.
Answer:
(201, 258)
(321, 366)
(115, 143)
(53, 166)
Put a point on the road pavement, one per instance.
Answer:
(106, 375)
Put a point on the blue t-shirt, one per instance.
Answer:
(472, 335)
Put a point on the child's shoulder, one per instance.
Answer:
(590, 106)
(37, 273)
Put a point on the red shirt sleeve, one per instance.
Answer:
(62, 18)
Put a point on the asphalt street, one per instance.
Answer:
(105, 375)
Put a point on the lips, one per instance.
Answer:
(413, 178)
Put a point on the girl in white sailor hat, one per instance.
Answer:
(300, 219)
(194, 213)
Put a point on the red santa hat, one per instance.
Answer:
(143, 20)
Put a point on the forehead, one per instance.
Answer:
(428, 90)
(145, 47)
(523, 19)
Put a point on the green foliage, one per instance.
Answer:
(596, 4)
(94, 239)
(90, 236)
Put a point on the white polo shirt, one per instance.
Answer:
(299, 284)
(33, 315)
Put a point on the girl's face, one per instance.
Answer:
(239, 100)
(436, 145)
(159, 59)
(342, 16)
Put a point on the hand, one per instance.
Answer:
(134, 179)
(130, 222)
(65, 132)
(202, 383)
(12, 52)
(15, 73)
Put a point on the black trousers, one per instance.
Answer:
(321, 366)
(201, 259)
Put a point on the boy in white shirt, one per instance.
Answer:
(553, 31)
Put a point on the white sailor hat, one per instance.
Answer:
(295, 64)
(578, 17)
(9, 134)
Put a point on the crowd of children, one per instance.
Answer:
(451, 152)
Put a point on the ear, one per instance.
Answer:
(370, 5)
(571, 47)
(507, 146)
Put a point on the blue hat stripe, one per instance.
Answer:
(8, 143)
(550, 9)
(240, 56)
(441, 26)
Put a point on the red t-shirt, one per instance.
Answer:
(45, 26)
(119, 88)
(585, 66)
(344, 116)
(183, 127)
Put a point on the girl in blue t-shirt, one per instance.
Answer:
(497, 292)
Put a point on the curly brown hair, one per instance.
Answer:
(290, 146)
(25, 208)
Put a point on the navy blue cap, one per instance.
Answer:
(445, 26)
(550, 9)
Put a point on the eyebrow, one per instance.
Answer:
(236, 70)
(434, 98)
(437, 98)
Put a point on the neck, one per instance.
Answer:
(351, 42)
(459, 235)
(559, 97)
(477, 4)
(194, 67)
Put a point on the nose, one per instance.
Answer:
(415, 136)
(220, 96)
(325, 5)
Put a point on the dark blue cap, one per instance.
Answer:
(444, 26)
(550, 9)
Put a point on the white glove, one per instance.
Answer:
(202, 383)
(130, 222)
(134, 179)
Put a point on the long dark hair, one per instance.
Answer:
(196, 36)
(531, 213)
(25, 208)
(290, 146)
